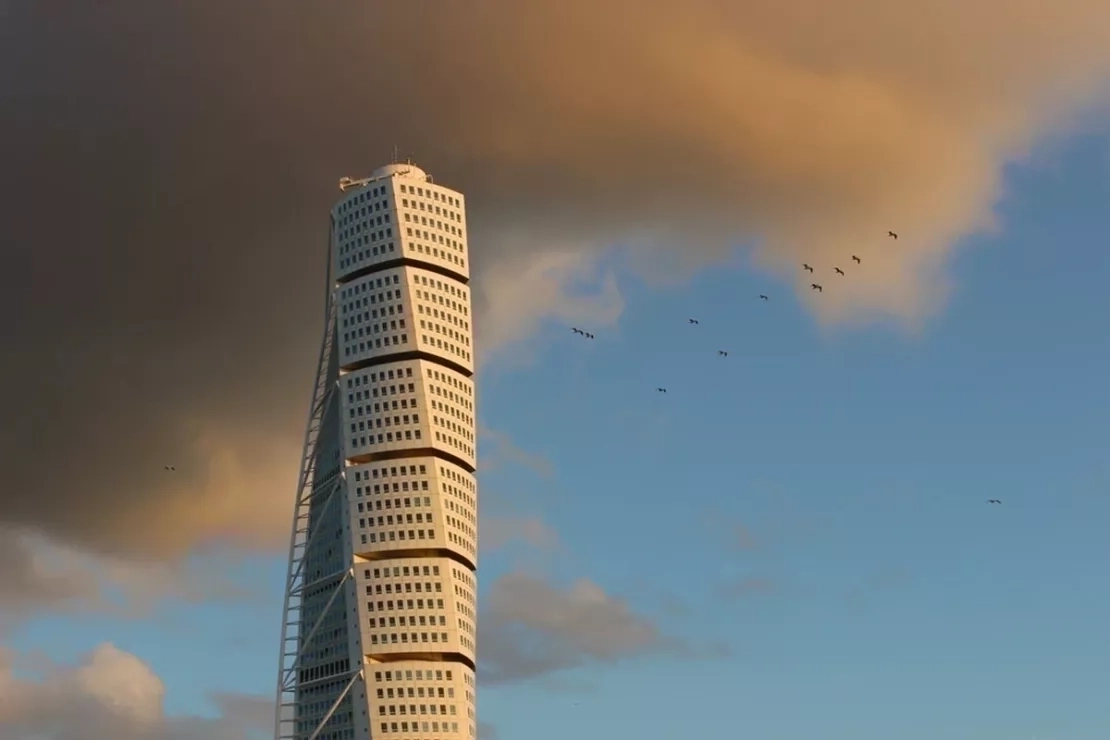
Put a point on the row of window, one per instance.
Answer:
(395, 535)
(465, 390)
(446, 331)
(391, 639)
(385, 472)
(409, 604)
(361, 197)
(367, 286)
(462, 542)
(418, 691)
(415, 709)
(461, 526)
(395, 503)
(424, 621)
(399, 535)
(465, 577)
(357, 348)
(364, 314)
(377, 408)
(456, 443)
(454, 290)
(416, 218)
(461, 510)
(379, 676)
(440, 239)
(388, 521)
(446, 346)
(387, 437)
(354, 225)
(399, 571)
(366, 331)
(389, 421)
(442, 315)
(369, 249)
(391, 727)
(361, 426)
(410, 586)
(430, 193)
(438, 254)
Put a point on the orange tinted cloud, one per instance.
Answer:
(166, 192)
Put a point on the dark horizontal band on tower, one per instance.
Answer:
(412, 354)
(422, 552)
(372, 457)
(403, 262)
(386, 658)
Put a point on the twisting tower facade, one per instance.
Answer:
(379, 635)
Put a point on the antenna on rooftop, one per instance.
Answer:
(394, 159)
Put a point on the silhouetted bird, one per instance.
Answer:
(693, 321)
(722, 353)
(817, 287)
(806, 267)
(170, 467)
(838, 271)
(576, 330)
(857, 259)
(892, 235)
(993, 501)
(661, 390)
(588, 335)
(764, 298)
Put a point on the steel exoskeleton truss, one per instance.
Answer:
(294, 642)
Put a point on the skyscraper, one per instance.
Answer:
(379, 628)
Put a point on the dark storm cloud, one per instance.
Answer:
(166, 170)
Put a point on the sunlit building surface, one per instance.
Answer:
(379, 633)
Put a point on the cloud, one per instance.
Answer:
(486, 731)
(742, 539)
(112, 694)
(748, 586)
(497, 532)
(40, 576)
(499, 449)
(531, 628)
(165, 194)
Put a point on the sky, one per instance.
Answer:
(793, 541)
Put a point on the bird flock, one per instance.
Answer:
(763, 297)
(814, 286)
(723, 353)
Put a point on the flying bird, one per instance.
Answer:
(170, 467)
(857, 259)
(661, 390)
(817, 287)
(838, 271)
(892, 235)
(993, 501)
(764, 298)
(722, 353)
(693, 321)
(576, 330)
(806, 267)
(588, 335)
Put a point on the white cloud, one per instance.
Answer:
(43, 576)
(517, 296)
(498, 448)
(531, 628)
(496, 532)
(112, 695)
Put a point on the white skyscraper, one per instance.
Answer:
(379, 632)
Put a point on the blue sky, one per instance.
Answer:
(896, 602)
